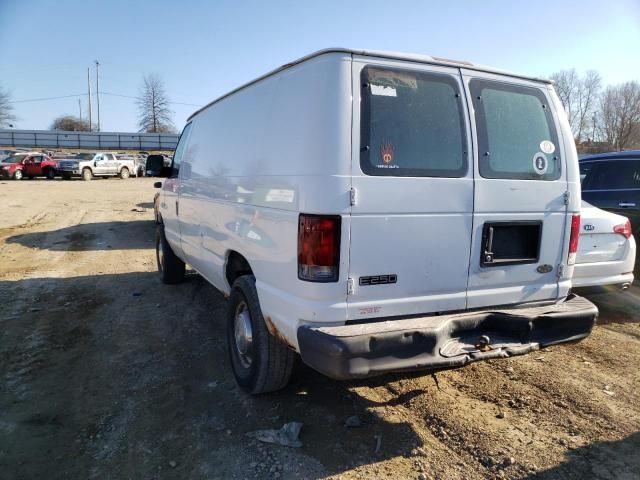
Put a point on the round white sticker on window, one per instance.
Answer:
(540, 163)
(547, 147)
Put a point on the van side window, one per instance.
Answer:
(412, 124)
(516, 133)
(613, 175)
(177, 156)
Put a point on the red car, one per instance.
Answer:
(33, 164)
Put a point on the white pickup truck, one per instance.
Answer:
(96, 164)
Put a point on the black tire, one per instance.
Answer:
(124, 173)
(171, 268)
(17, 175)
(268, 362)
(87, 174)
(50, 173)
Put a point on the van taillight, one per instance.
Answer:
(573, 239)
(318, 248)
(624, 229)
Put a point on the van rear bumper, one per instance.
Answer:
(442, 342)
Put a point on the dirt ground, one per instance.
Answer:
(107, 373)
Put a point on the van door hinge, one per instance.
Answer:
(350, 286)
(567, 196)
(353, 196)
(560, 270)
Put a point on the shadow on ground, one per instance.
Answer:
(615, 460)
(137, 234)
(119, 373)
(615, 306)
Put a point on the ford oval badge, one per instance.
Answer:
(546, 268)
(588, 227)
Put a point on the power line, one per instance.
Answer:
(137, 98)
(118, 95)
(47, 98)
(86, 94)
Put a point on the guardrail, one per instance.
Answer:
(87, 140)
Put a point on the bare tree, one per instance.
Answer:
(588, 95)
(6, 109)
(579, 97)
(70, 123)
(634, 139)
(153, 106)
(567, 85)
(620, 114)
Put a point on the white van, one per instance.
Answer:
(378, 212)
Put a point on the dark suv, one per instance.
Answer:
(611, 181)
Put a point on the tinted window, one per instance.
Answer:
(411, 124)
(516, 133)
(14, 159)
(612, 175)
(177, 156)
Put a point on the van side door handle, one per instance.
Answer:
(626, 204)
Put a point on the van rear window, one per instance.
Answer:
(516, 133)
(412, 124)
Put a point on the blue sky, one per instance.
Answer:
(202, 49)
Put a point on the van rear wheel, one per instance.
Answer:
(171, 268)
(261, 363)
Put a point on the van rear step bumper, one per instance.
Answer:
(442, 342)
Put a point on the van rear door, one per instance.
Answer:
(520, 212)
(412, 198)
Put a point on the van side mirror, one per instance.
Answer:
(157, 185)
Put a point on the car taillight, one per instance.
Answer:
(318, 248)
(624, 229)
(573, 239)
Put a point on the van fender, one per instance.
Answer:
(236, 265)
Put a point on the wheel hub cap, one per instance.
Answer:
(243, 334)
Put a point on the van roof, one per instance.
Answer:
(412, 57)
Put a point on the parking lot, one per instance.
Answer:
(107, 373)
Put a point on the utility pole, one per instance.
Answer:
(98, 92)
(80, 108)
(89, 97)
